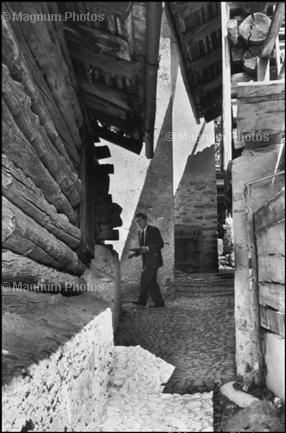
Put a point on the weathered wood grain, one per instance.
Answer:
(273, 32)
(22, 68)
(20, 106)
(18, 268)
(22, 192)
(51, 65)
(261, 107)
(272, 320)
(23, 235)
(254, 28)
(271, 213)
(103, 41)
(268, 240)
(19, 150)
(271, 268)
(272, 295)
(116, 97)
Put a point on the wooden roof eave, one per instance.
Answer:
(183, 66)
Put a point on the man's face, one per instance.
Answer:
(141, 222)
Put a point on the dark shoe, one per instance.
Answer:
(157, 306)
(138, 303)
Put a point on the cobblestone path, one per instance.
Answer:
(195, 334)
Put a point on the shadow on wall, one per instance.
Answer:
(156, 200)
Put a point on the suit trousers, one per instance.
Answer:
(148, 284)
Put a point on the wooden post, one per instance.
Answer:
(274, 30)
(232, 30)
(226, 88)
(263, 69)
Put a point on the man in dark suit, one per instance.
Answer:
(151, 243)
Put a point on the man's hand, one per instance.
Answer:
(130, 255)
(134, 252)
(144, 250)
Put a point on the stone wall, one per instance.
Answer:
(103, 278)
(57, 351)
(251, 165)
(66, 390)
(196, 206)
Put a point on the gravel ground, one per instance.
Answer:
(196, 335)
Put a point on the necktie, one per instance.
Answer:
(142, 237)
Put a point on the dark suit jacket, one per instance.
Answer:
(153, 240)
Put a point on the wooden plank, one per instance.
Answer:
(261, 108)
(226, 89)
(269, 239)
(18, 268)
(19, 150)
(240, 77)
(23, 235)
(272, 320)
(189, 8)
(22, 68)
(51, 66)
(97, 103)
(272, 295)
(20, 106)
(202, 31)
(102, 61)
(263, 69)
(103, 42)
(271, 213)
(261, 91)
(271, 268)
(206, 60)
(116, 97)
(131, 144)
(274, 30)
(22, 192)
(102, 152)
(209, 85)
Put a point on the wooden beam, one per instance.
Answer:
(202, 31)
(102, 152)
(226, 89)
(182, 61)
(240, 77)
(102, 61)
(99, 104)
(232, 29)
(103, 42)
(209, 85)
(18, 268)
(189, 8)
(208, 59)
(114, 96)
(153, 27)
(127, 143)
(128, 126)
(263, 69)
(274, 30)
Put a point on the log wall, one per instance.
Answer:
(56, 205)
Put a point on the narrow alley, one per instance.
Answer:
(143, 216)
(195, 333)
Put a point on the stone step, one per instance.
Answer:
(136, 402)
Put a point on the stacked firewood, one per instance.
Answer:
(247, 33)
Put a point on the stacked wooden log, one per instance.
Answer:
(247, 33)
(41, 142)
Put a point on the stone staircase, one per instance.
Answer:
(207, 284)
